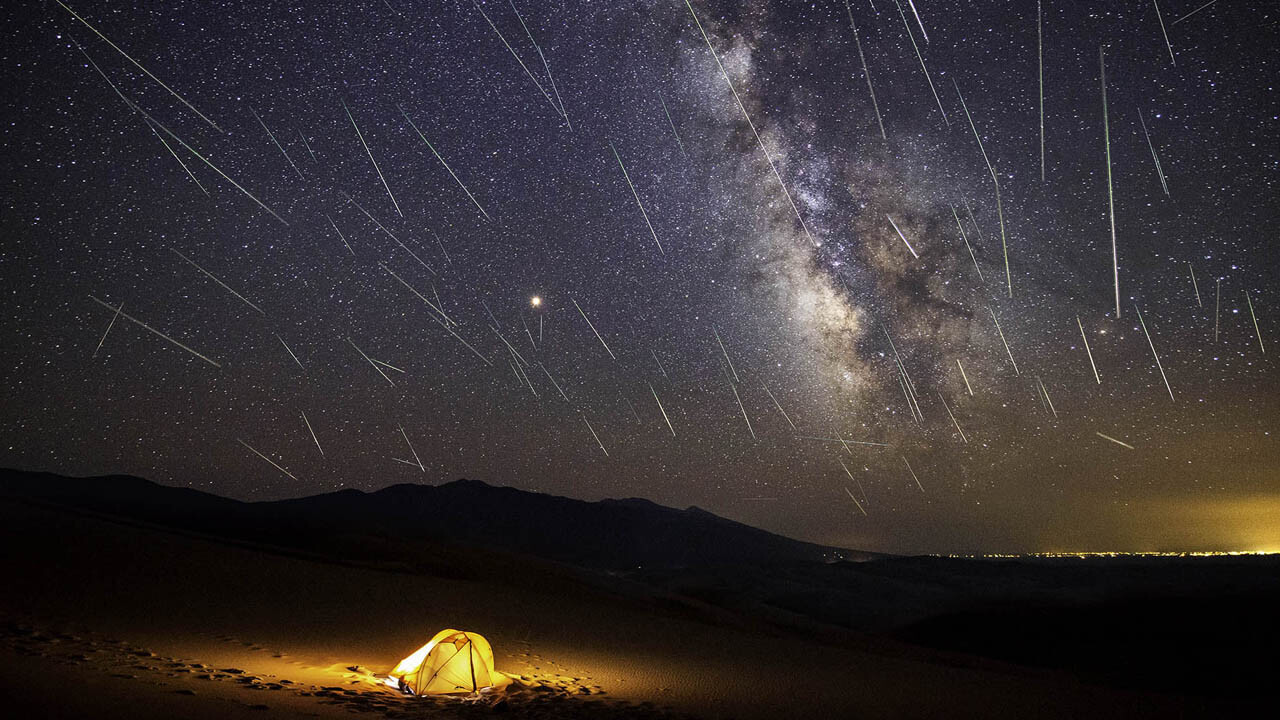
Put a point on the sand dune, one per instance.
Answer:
(114, 619)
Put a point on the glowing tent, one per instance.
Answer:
(453, 662)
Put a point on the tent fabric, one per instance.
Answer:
(455, 661)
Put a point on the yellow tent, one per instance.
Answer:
(453, 662)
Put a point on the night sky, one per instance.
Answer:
(742, 304)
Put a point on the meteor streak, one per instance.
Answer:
(159, 137)
(953, 418)
(593, 329)
(313, 432)
(139, 66)
(286, 349)
(1164, 32)
(594, 435)
(636, 195)
(966, 244)
(1111, 203)
(913, 473)
(1004, 245)
(108, 330)
(1159, 170)
(1118, 442)
(415, 452)
(371, 362)
(756, 133)
(672, 123)
(662, 409)
(388, 232)
(264, 457)
(921, 59)
(558, 109)
(850, 494)
(120, 311)
(904, 237)
(277, 144)
(1088, 351)
(340, 235)
(1194, 285)
(865, 72)
(1153, 351)
(1006, 344)
(778, 405)
(1255, 322)
(725, 353)
(224, 285)
(370, 154)
(452, 174)
(966, 377)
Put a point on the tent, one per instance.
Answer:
(454, 661)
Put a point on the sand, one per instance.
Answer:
(114, 619)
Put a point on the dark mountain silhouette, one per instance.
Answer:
(607, 535)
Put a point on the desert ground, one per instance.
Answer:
(102, 616)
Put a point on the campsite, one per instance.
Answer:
(140, 600)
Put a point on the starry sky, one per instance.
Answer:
(344, 212)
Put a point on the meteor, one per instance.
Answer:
(414, 290)
(313, 432)
(556, 384)
(967, 245)
(1255, 322)
(388, 232)
(1004, 245)
(865, 72)
(370, 154)
(415, 452)
(224, 285)
(672, 123)
(848, 492)
(186, 169)
(452, 174)
(966, 377)
(659, 362)
(953, 419)
(904, 237)
(743, 409)
(778, 405)
(1153, 351)
(286, 349)
(306, 145)
(593, 329)
(913, 473)
(594, 435)
(921, 59)
(277, 144)
(340, 235)
(1006, 344)
(1118, 442)
(558, 109)
(545, 65)
(1159, 170)
(1111, 203)
(371, 362)
(108, 330)
(1164, 32)
(1088, 351)
(1193, 12)
(139, 66)
(1194, 285)
(637, 197)
(264, 457)
(725, 353)
(661, 409)
(756, 133)
(120, 311)
(1040, 70)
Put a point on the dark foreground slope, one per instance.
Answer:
(1194, 632)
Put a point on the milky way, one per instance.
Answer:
(383, 287)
